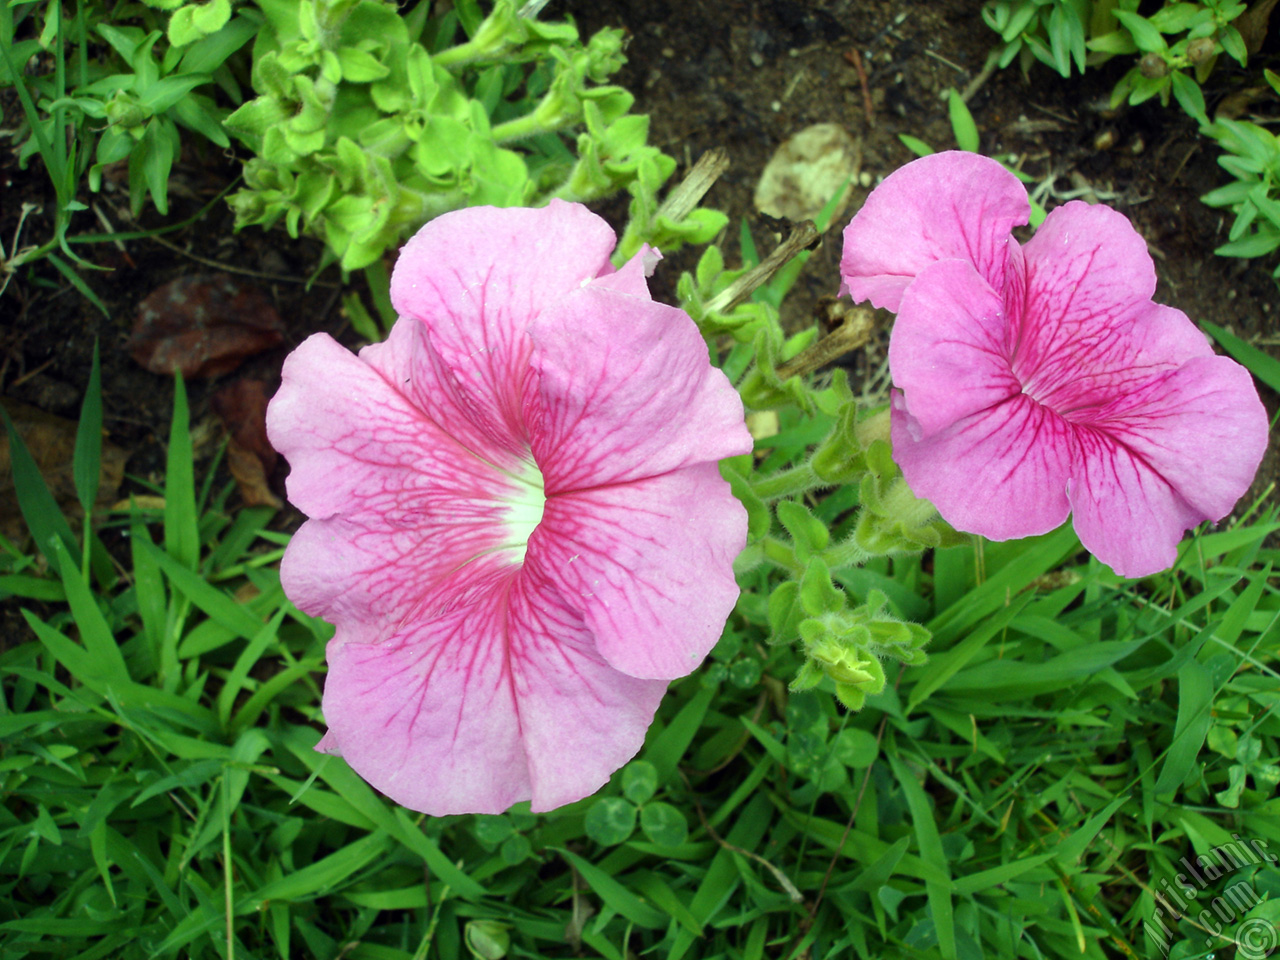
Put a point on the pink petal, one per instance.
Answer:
(632, 277)
(1125, 513)
(625, 391)
(371, 578)
(953, 205)
(648, 564)
(356, 445)
(478, 277)
(407, 360)
(1001, 472)
(1088, 330)
(506, 700)
(1136, 344)
(949, 352)
(399, 506)
(1179, 451)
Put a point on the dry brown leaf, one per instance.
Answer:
(807, 171)
(242, 408)
(203, 326)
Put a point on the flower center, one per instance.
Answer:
(525, 504)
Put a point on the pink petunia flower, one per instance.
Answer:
(1040, 381)
(518, 526)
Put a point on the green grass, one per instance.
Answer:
(1026, 793)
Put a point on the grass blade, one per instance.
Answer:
(87, 460)
(931, 852)
(105, 659)
(1266, 368)
(181, 529)
(1195, 699)
(41, 512)
(77, 281)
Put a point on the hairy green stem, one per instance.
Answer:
(845, 554)
(787, 483)
(526, 126)
(783, 554)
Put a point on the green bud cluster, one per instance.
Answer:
(362, 133)
(846, 447)
(893, 519)
(844, 643)
(153, 95)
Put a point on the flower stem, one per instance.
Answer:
(782, 553)
(845, 554)
(462, 54)
(526, 126)
(787, 483)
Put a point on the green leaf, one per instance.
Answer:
(613, 894)
(1019, 21)
(181, 531)
(1074, 845)
(1116, 42)
(161, 143)
(932, 853)
(1262, 365)
(105, 659)
(810, 534)
(962, 123)
(946, 665)
(1189, 96)
(610, 821)
(665, 749)
(915, 145)
(218, 605)
(487, 939)
(163, 94)
(818, 595)
(77, 281)
(1195, 699)
(87, 459)
(1234, 44)
(1254, 245)
(1176, 17)
(1145, 36)
(855, 748)
(759, 517)
(639, 781)
(663, 824)
(211, 52)
(492, 830)
(41, 512)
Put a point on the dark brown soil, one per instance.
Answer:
(734, 74)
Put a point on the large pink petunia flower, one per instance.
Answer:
(518, 526)
(1040, 381)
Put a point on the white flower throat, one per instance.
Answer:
(525, 504)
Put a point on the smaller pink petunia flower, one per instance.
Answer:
(517, 523)
(1040, 381)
